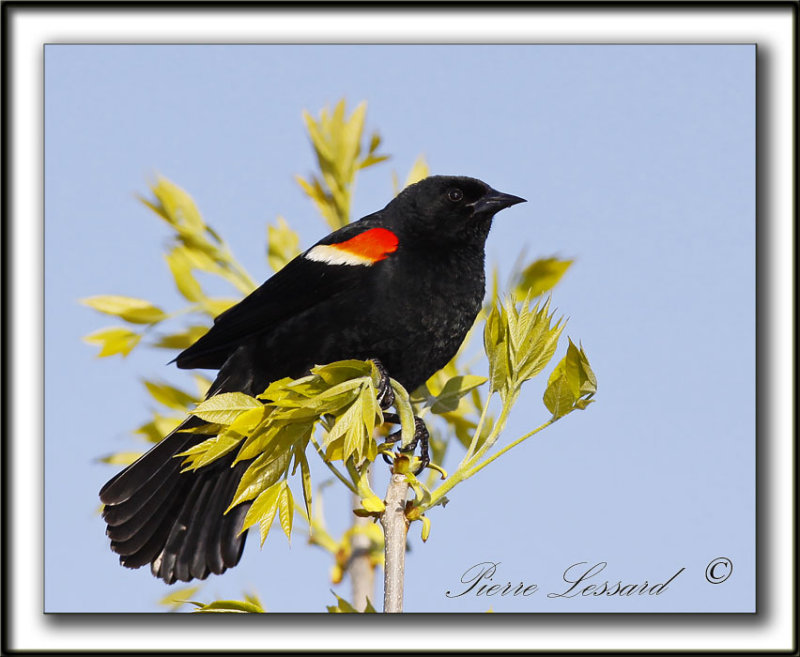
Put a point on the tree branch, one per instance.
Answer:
(395, 528)
(360, 568)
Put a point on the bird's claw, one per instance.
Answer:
(385, 395)
(385, 398)
(421, 438)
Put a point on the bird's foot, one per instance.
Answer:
(421, 438)
(385, 397)
(385, 394)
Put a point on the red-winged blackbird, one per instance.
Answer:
(401, 286)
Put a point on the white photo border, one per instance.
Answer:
(27, 27)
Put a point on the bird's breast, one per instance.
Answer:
(427, 304)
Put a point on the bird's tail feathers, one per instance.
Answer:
(156, 514)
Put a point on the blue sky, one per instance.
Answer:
(637, 161)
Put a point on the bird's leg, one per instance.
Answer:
(385, 393)
(385, 399)
(421, 437)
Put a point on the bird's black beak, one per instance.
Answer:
(493, 201)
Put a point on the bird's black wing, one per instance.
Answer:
(300, 285)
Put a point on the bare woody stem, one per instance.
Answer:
(362, 572)
(361, 569)
(395, 528)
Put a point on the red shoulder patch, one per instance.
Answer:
(374, 244)
(365, 249)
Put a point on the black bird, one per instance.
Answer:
(401, 286)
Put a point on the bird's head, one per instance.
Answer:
(450, 208)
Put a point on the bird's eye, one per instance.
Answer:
(455, 195)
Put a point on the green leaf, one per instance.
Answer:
(254, 599)
(225, 407)
(374, 142)
(350, 143)
(373, 504)
(336, 140)
(224, 442)
(558, 397)
(302, 401)
(286, 510)
(283, 244)
(426, 528)
(579, 375)
(571, 385)
(318, 139)
(176, 206)
(452, 392)
(198, 243)
(371, 414)
(209, 450)
(495, 295)
(371, 160)
(202, 383)
(215, 307)
(495, 342)
(402, 403)
(540, 276)
(263, 511)
(181, 268)
(121, 458)
(116, 340)
(158, 428)
(519, 342)
(586, 376)
(321, 199)
(201, 256)
(207, 429)
(351, 417)
(421, 492)
(361, 479)
(419, 170)
(182, 340)
(342, 370)
(349, 426)
(305, 473)
(136, 311)
(248, 421)
(169, 396)
(265, 471)
(342, 606)
(533, 339)
(274, 436)
(231, 607)
(174, 599)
